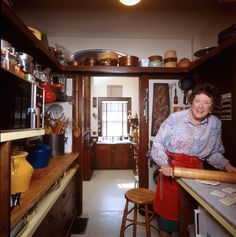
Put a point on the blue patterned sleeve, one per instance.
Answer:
(216, 158)
(158, 152)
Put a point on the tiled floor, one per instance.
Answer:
(104, 201)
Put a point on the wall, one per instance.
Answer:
(99, 89)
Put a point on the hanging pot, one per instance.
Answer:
(186, 84)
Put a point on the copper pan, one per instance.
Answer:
(129, 61)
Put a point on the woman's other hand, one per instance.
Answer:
(230, 168)
(167, 170)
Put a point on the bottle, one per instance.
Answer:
(175, 97)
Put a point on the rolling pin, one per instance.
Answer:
(205, 174)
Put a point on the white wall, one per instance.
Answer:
(99, 89)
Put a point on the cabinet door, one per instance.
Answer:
(120, 156)
(103, 157)
(87, 165)
(48, 226)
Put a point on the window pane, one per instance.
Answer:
(114, 118)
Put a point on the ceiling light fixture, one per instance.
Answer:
(129, 2)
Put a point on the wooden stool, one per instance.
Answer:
(138, 196)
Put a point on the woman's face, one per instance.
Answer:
(201, 107)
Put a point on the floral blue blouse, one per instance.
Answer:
(178, 134)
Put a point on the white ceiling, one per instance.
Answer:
(109, 19)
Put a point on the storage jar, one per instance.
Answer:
(21, 172)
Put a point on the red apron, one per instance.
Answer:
(167, 193)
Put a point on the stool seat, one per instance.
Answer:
(142, 198)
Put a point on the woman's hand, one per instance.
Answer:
(167, 170)
(230, 168)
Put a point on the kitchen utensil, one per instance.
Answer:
(186, 84)
(50, 96)
(184, 62)
(55, 111)
(155, 61)
(170, 62)
(21, 172)
(175, 96)
(227, 33)
(76, 131)
(56, 143)
(204, 51)
(129, 61)
(25, 60)
(170, 54)
(205, 174)
(81, 56)
(107, 54)
(39, 155)
(36, 33)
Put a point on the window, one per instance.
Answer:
(113, 116)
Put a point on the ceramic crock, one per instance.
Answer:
(21, 172)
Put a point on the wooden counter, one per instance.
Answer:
(41, 182)
(225, 215)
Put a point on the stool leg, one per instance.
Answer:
(123, 224)
(135, 221)
(148, 232)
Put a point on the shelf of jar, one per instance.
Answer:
(41, 182)
(10, 135)
(13, 28)
(18, 75)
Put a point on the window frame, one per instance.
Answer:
(101, 99)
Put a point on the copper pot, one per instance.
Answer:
(107, 62)
(129, 61)
(184, 62)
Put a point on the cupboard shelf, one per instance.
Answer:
(41, 182)
(122, 70)
(11, 135)
(16, 32)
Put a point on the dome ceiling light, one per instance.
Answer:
(129, 2)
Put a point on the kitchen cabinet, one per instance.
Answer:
(88, 157)
(57, 221)
(14, 31)
(113, 156)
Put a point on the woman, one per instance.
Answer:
(186, 139)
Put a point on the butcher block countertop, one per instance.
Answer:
(226, 215)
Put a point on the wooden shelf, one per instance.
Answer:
(41, 182)
(106, 70)
(16, 32)
(11, 135)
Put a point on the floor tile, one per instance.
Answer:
(104, 201)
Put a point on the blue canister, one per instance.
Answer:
(39, 155)
(155, 61)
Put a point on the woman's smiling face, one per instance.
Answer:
(201, 107)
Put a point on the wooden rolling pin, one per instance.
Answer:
(205, 174)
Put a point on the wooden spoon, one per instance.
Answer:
(76, 131)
